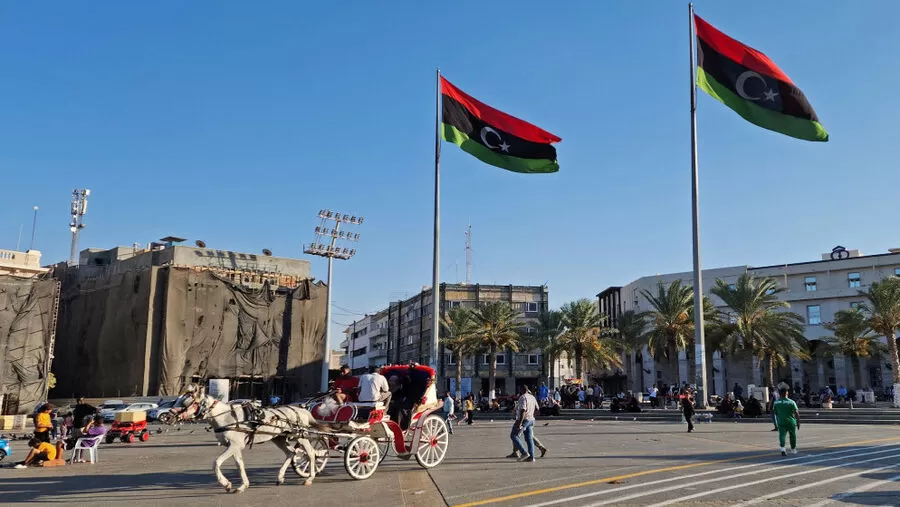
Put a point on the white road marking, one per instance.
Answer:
(812, 485)
(867, 487)
(888, 447)
(770, 479)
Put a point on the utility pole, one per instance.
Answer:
(34, 226)
(469, 254)
(331, 251)
(79, 209)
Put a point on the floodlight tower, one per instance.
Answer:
(331, 251)
(79, 209)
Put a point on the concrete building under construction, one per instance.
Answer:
(148, 321)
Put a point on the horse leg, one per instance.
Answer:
(289, 455)
(239, 459)
(217, 467)
(312, 459)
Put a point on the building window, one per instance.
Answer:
(451, 359)
(855, 304)
(810, 283)
(896, 271)
(409, 340)
(854, 280)
(501, 359)
(527, 330)
(531, 307)
(359, 352)
(813, 315)
(454, 304)
(532, 359)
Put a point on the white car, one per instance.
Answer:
(134, 407)
(108, 408)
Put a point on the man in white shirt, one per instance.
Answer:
(374, 387)
(448, 411)
(654, 392)
(524, 424)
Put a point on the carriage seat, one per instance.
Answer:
(331, 413)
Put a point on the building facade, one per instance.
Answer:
(25, 264)
(401, 333)
(816, 290)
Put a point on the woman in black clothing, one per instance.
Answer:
(687, 408)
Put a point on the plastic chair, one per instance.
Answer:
(92, 449)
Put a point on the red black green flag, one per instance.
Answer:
(748, 82)
(493, 136)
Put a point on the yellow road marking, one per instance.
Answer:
(640, 474)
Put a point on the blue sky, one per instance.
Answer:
(235, 122)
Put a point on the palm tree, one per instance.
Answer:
(671, 321)
(585, 338)
(495, 329)
(883, 312)
(460, 325)
(853, 338)
(547, 327)
(632, 329)
(758, 323)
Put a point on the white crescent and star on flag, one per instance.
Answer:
(502, 146)
(768, 94)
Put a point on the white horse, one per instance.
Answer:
(235, 431)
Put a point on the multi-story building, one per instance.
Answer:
(25, 264)
(402, 333)
(365, 343)
(815, 289)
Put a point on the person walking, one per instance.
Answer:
(771, 407)
(469, 406)
(787, 416)
(448, 411)
(687, 409)
(524, 425)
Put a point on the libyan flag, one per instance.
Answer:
(493, 136)
(748, 82)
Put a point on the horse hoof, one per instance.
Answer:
(240, 489)
(307, 482)
(279, 482)
(228, 488)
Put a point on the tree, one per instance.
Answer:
(671, 321)
(853, 338)
(460, 326)
(495, 329)
(758, 322)
(547, 327)
(585, 339)
(883, 312)
(632, 329)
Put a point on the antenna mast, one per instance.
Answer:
(469, 254)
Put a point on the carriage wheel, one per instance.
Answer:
(109, 439)
(361, 457)
(300, 461)
(145, 435)
(433, 442)
(128, 438)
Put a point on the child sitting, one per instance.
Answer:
(738, 409)
(40, 452)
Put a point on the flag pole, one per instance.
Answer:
(435, 281)
(699, 338)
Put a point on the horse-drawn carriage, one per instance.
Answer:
(364, 433)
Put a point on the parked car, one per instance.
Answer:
(153, 413)
(4, 449)
(134, 407)
(109, 407)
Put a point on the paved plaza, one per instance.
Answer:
(589, 463)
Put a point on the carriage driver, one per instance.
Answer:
(373, 387)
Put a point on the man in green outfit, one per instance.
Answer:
(787, 417)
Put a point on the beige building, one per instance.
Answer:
(815, 289)
(25, 264)
(402, 333)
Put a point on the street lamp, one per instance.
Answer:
(331, 251)
(79, 209)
